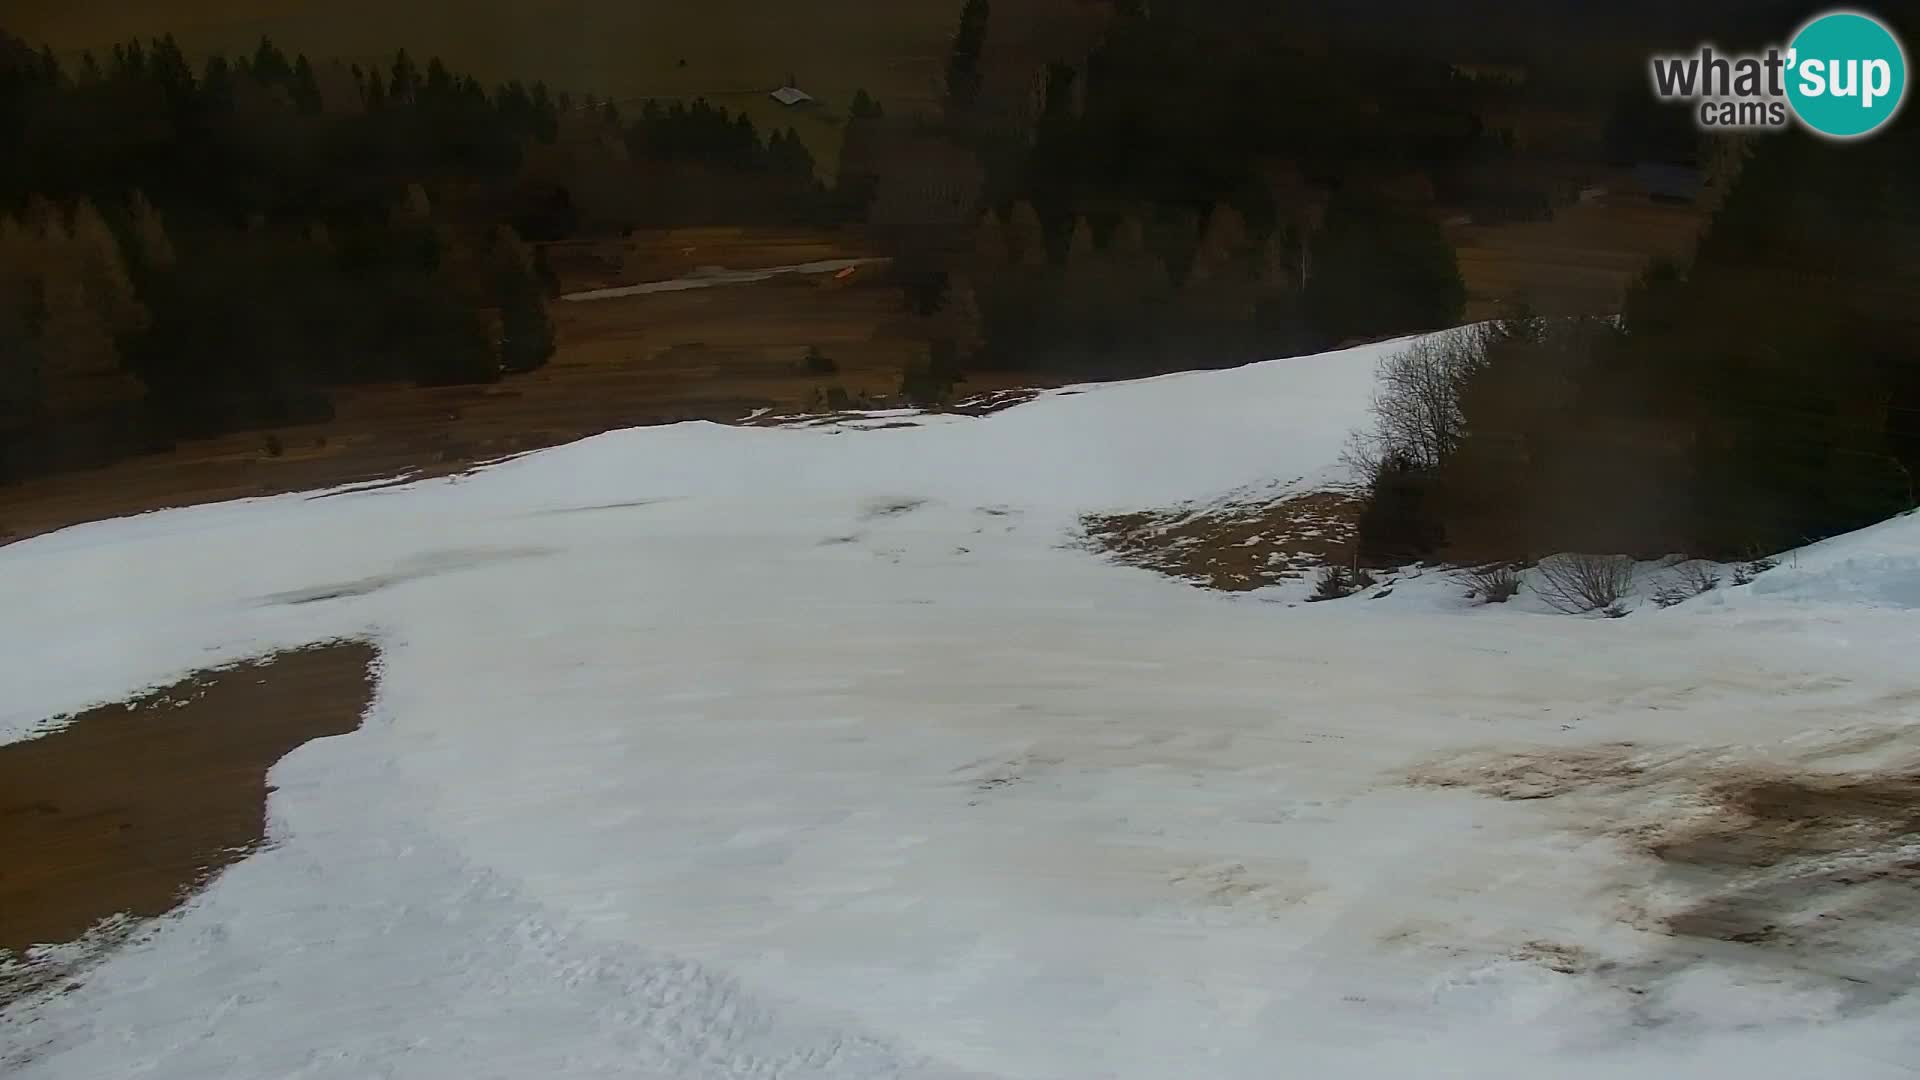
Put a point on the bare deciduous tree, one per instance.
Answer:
(1417, 416)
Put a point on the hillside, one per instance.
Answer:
(835, 751)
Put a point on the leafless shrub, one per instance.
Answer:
(1693, 578)
(1495, 583)
(1699, 577)
(1577, 584)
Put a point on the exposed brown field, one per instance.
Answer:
(716, 354)
(130, 807)
(1233, 547)
(1582, 261)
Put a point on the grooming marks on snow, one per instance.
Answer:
(431, 564)
(1264, 891)
(633, 504)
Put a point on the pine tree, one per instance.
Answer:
(270, 67)
(150, 233)
(406, 79)
(439, 86)
(104, 274)
(305, 88)
(1026, 237)
(964, 77)
(965, 326)
(1080, 247)
(22, 393)
(526, 333)
(216, 86)
(990, 246)
(417, 206)
(543, 273)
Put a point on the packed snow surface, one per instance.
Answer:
(704, 751)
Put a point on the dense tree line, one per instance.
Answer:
(1180, 108)
(1184, 113)
(714, 136)
(238, 137)
(191, 250)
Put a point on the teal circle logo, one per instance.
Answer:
(1847, 74)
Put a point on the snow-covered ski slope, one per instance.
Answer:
(704, 751)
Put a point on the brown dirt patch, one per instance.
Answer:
(1820, 872)
(129, 808)
(1812, 865)
(996, 401)
(1544, 774)
(984, 404)
(1763, 822)
(1235, 547)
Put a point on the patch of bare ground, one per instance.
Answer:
(128, 809)
(864, 418)
(1799, 863)
(994, 401)
(1818, 873)
(1235, 547)
(1543, 774)
(1582, 259)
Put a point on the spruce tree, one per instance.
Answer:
(305, 88)
(964, 76)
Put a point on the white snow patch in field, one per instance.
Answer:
(708, 277)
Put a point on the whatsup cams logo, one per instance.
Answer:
(1843, 75)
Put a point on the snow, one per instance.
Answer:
(709, 751)
(708, 277)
